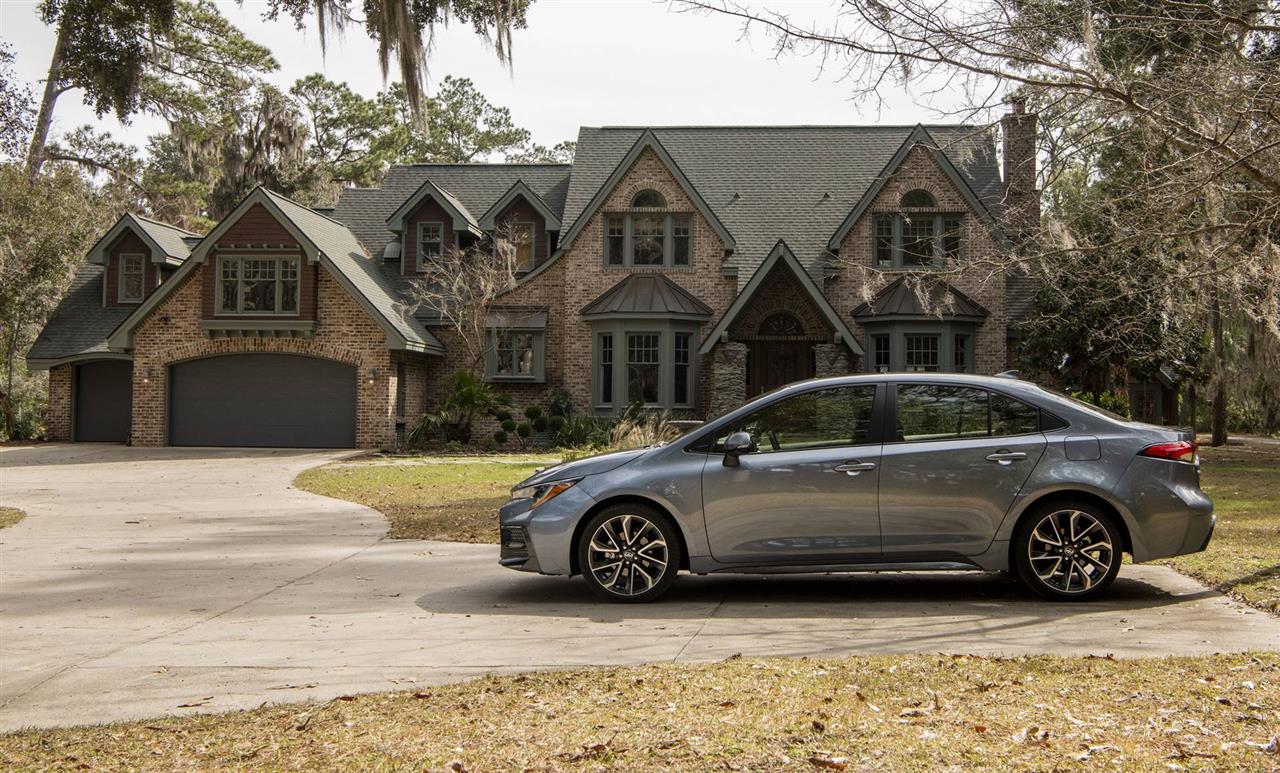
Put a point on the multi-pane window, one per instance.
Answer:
(643, 367)
(522, 236)
(258, 285)
(916, 239)
(921, 353)
(682, 240)
(918, 198)
(648, 234)
(430, 242)
(133, 269)
(883, 360)
(680, 386)
(648, 198)
(606, 369)
(514, 353)
(615, 240)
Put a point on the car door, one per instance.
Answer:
(954, 459)
(807, 494)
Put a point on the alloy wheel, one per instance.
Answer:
(1071, 551)
(627, 555)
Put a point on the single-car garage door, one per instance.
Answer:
(263, 400)
(103, 395)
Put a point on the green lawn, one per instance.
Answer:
(9, 516)
(452, 498)
(1243, 558)
(916, 712)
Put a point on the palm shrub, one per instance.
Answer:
(469, 396)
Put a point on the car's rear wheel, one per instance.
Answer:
(629, 553)
(1068, 551)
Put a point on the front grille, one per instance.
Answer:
(515, 542)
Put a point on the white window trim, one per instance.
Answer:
(417, 252)
(279, 282)
(120, 274)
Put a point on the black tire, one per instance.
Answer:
(1081, 566)
(643, 560)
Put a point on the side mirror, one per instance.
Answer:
(736, 445)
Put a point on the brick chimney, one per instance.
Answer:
(1021, 199)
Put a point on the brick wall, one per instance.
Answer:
(979, 282)
(344, 332)
(61, 379)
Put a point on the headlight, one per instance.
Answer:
(543, 492)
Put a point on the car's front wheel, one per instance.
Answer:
(629, 553)
(1068, 551)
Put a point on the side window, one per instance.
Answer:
(938, 412)
(1012, 417)
(825, 418)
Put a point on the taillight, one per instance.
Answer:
(1177, 451)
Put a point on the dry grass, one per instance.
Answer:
(10, 516)
(918, 712)
(1243, 558)
(453, 498)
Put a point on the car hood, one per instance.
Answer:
(578, 468)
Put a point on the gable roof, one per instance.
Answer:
(781, 256)
(463, 220)
(646, 141)
(899, 300)
(647, 295)
(168, 243)
(321, 239)
(919, 137)
(79, 325)
(519, 188)
(765, 183)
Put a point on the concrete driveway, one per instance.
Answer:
(171, 581)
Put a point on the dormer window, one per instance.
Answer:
(650, 199)
(430, 242)
(918, 198)
(522, 239)
(133, 269)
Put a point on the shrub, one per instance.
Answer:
(503, 415)
(561, 402)
(509, 425)
(540, 424)
(638, 428)
(500, 437)
(555, 423)
(469, 397)
(524, 430)
(533, 413)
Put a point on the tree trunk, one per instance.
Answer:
(1219, 383)
(44, 119)
(1191, 400)
(11, 351)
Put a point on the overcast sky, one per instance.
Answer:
(579, 62)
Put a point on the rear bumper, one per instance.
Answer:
(1169, 514)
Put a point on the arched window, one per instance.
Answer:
(781, 324)
(648, 198)
(918, 198)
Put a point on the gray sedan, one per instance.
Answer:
(872, 473)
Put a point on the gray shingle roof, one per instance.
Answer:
(899, 299)
(475, 186)
(796, 183)
(647, 294)
(175, 241)
(346, 254)
(80, 324)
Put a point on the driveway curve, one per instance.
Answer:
(169, 581)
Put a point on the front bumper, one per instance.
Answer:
(541, 540)
(515, 549)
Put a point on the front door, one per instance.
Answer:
(778, 363)
(951, 468)
(808, 493)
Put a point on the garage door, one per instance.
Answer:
(103, 395)
(263, 400)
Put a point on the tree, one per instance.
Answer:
(352, 138)
(561, 153)
(465, 126)
(17, 111)
(406, 28)
(153, 56)
(46, 227)
(1186, 88)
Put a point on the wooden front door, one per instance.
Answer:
(772, 364)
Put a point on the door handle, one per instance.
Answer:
(1006, 457)
(854, 467)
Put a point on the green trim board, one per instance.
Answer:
(781, 254)
(919, 136)
(647, 140)
(488, 221)
(173, 256)
(463, 220)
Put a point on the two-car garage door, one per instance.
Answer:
(262, 400)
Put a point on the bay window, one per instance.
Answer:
(643, 361)
(258, 285)
(919, 346)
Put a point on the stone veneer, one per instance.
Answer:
(831, 360)
(728, 378)
(344, 332)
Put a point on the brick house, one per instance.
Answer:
(687, 268)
